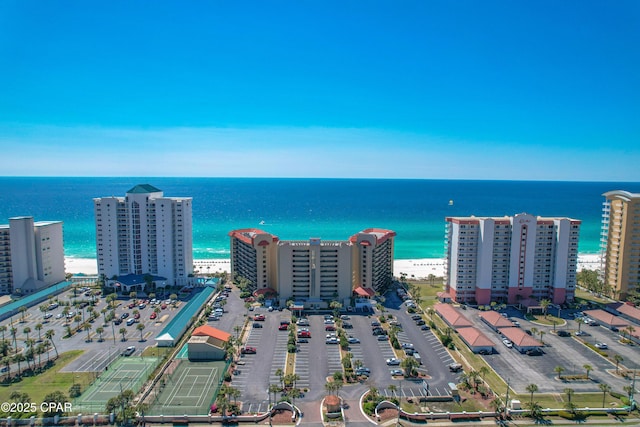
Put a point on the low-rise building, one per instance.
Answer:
(452, 316)
(521, 341)
(495, 320)
(607, 319)
(207, 343)
(476, 340)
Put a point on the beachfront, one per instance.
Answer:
(413, 268)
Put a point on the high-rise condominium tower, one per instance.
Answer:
(145, 233)
(621, 242)
(508, 259)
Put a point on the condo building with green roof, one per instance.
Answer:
(145, 233)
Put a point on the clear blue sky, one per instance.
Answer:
(401, 89)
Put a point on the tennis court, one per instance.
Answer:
(188, 389)
(126, 373)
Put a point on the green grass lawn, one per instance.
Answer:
(37, 387)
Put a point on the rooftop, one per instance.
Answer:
(608, 318)
(474, 338)
(495, 319)
(520, 338)
(452, 316)
(210, 331)
(176, 327)
(144, 188)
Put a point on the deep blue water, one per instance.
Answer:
(303, 208)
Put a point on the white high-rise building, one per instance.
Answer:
(31, 255)
(507, 259)
(144, 233)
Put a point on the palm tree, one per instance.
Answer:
(280, 374)
(23, 310)
(273, 388)
(87, 327)
(140, 327)
(587, 368)
(496, 404)
(534, 331)
(13, 332)
(605, 388)
(49, 335)
(559, 370)
(123, 331)
(617, 358)
(29, 354)
(532, 388)
(541, 334)
(544, 304)
(569, 392)
(6, 361)
(409, 364)
(39, 328)
(392, 388)
(27, 331)
(100, 331)
(3, 329)
(484, 370)
(17, 359)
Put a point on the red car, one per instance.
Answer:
(329, 328)
(283, 327)
(153, 316)
(132, 305)
(248, 350)
(163, 306)
(304, 334)
(259, 317)
(136, 316)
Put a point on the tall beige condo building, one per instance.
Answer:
(314, 272)
(621, 242)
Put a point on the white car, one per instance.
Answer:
(507, 343)
(602, 346)
(332, 340)
(353, 340)
(396, 372)
(393, 361)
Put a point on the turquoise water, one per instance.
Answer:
(304, 208)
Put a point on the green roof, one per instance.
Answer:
(144, 188)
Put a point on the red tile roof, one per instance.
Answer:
(474, 338)
(452, 316)
(495, 319)
(209, 331)
(626, 309)
(519, 338)
(607, 318)
(364, 292)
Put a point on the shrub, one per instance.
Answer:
(292, 348)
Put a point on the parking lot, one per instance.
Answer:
(521, 370)
(99, 349)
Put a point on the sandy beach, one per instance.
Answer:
(413, 268)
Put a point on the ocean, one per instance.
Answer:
(293, 208)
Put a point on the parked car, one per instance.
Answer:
(406, 345)
(601, 346)
(131, 321)
(382, 338)
(534, 352)
(302, 340)
(283, 327)
(396, 372)
(420, 322)
(347, 325)
(563, 333)
(329, 328)
(304, 334)
(48, 316)
(375, 324)
(507, 343)
(332, 340)
(353, 340)
(424, 327)
(124, 316)
(257, 325)
(393, 361)
(129, 351)
(455, 367)
(153, 315)
(248, 350)
(117, 321)
(259, 317)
